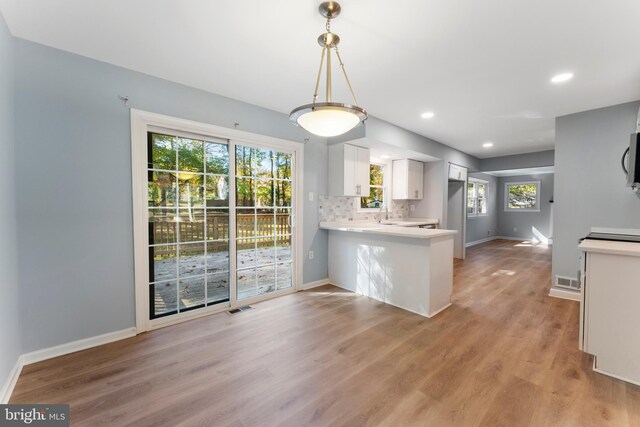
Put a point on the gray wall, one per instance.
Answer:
(518, 161)
(590, 185)
(434, 190)
(483, 227)
(10, 346)
(74, 186)
(524, 221)
(434, 203)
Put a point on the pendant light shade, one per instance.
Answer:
(329, 118)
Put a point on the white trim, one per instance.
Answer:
(609, 374)
(317, 283)
(265, 297)
(475, 182)
(474, 216)
(396, 305)
(564, 294)
(141, 122)
(435, 313)
(161, 322)
(521, 239)
(387, 171)
(7, 389)
(478, 242)
(506, 196)
(488, 239)
(59, 350)
(72, 347)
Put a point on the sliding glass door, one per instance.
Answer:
(188, 223)
(216, 229)
(263, 221)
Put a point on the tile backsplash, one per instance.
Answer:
(343, 208)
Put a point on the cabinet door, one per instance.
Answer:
(363, 167)
(415, 180)
(400, 180)
(350, 170)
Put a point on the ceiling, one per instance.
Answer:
(483, 67)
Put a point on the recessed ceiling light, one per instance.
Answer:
(561, 78)
(384, 156)
(487, 144)
(427, 115)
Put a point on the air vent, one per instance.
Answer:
(239, 309)
(567, 283)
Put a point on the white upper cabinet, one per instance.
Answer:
(348, 170)
(408, 181)
(457, 173)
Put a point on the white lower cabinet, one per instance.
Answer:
(610, 307)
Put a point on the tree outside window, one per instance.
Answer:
(522, 196)
(377, 192)
(476, 198)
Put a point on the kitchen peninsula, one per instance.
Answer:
(408, 267)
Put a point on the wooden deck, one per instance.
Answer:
(504, 354)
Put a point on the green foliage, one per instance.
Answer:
(522, 196)
(376, 174)
(263, 173)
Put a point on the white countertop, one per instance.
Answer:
(610, 247)
(401, 227)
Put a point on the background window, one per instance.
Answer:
(377, 194)
(476, 198)
(522, 196)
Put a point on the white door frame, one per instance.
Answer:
(141, 122)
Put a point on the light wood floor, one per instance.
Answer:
(504, 354)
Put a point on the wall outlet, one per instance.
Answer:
(488, 232)
(515, 228)
(311, 196)
(413, 208)
(311, 255)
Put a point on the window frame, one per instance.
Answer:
(475, 182)
(385, 189)
(506, 196)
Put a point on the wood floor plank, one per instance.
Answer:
(504, 353)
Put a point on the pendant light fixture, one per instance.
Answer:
(329, 118)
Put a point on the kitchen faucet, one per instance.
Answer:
(379, 216)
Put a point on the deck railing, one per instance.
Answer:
(263, 229)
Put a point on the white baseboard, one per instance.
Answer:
(564, 294)
(395, 305)
(72, 347)
(520, 239)
(609, 374)
(315, 284)
(489, 239)
(477, 242)
(10, 383)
